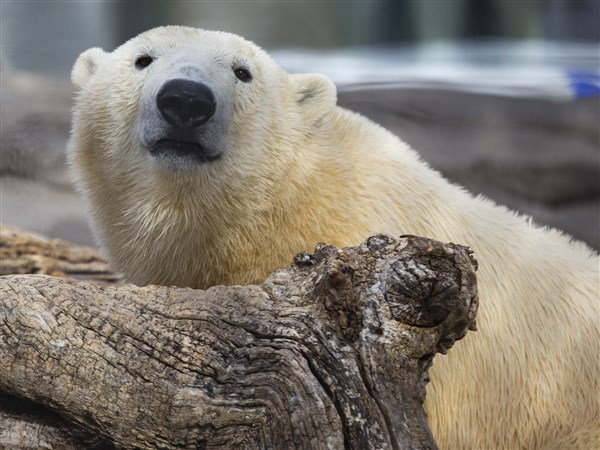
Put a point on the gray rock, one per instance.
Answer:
(35, 113)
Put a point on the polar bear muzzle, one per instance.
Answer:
(186, 106)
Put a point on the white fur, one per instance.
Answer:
(297, 170)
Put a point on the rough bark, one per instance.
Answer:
(330, 353)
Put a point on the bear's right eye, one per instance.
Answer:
(243, 74)
(143, 61)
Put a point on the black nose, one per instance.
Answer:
(186, 103)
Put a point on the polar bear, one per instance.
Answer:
(203, 162)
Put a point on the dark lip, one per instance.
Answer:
(177, 149)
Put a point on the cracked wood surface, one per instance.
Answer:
(330, 353)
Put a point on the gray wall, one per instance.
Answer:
(47, 36)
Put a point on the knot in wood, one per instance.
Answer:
(322, 253)
(304, 259)
(420, 290)
(378, 242)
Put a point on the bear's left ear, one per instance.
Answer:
(87, 65)
(315, 94)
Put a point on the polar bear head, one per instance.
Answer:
(180, 98)
(180, 135)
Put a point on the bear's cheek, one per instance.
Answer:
(256, 123)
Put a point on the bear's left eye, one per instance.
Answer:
(243, 74)
(143, 61)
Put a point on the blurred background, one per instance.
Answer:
(502, 96)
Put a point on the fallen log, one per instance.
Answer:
(330, 353)
(22, 252)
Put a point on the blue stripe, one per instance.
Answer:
(584, 84)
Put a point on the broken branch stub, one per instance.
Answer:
(330, 353)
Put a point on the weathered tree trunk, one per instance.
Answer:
(331, 353)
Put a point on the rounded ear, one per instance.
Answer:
(315, 94)
(87, 65)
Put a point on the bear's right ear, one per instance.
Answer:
(315, 95)
(86, 65)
